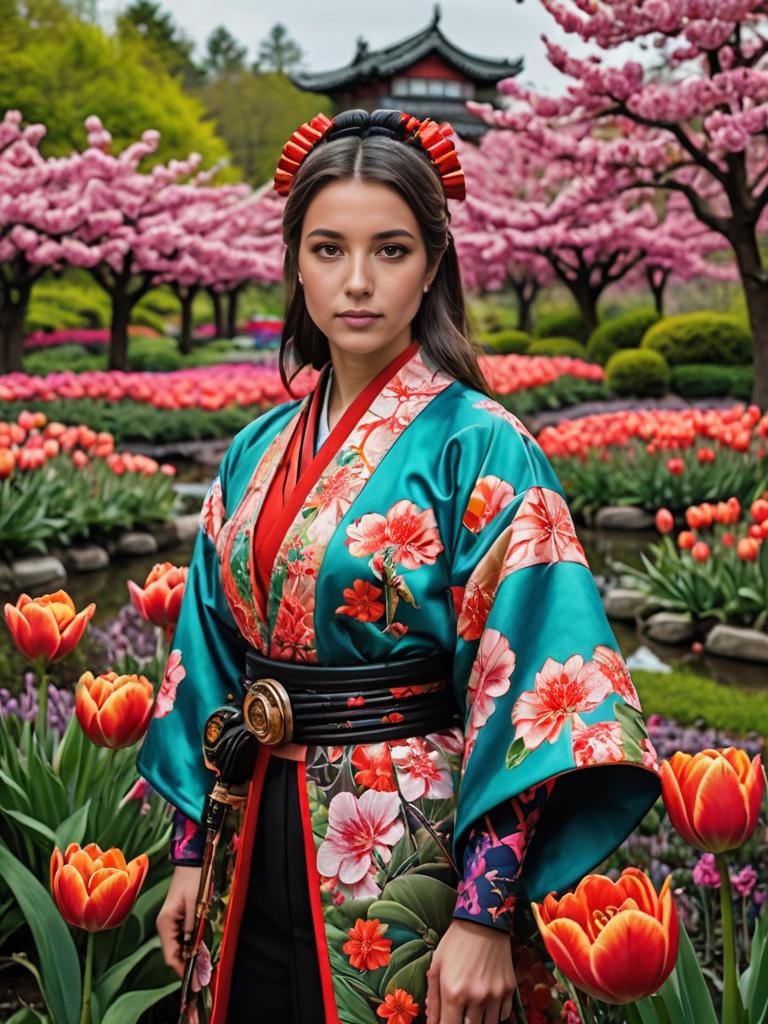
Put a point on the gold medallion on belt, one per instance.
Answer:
(267, 711)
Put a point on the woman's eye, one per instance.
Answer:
(327, 249)
(393, 250)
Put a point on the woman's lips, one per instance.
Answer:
(359, 319)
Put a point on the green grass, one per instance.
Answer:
(688, 698)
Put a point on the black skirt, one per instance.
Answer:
(276, 974)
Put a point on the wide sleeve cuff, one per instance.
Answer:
(187, 841)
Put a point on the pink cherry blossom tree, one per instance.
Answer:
(698, 130)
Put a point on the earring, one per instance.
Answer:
(426, 288)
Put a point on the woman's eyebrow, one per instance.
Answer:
(393, 233)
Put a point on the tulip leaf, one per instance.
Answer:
(753, 983)
(694, 994)
(129, 1007)
(59, 962)
(39, 832)
(109, 984)
(27, 1016)
(72, 829)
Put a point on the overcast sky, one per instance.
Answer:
(327, 29)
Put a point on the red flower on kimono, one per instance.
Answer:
(356, 829)
(489, 678)
(542, 531)
(561, 691)
(408, 532)
(362, 602)
(422, 771)
(398, 1007)
(294, 634)
(213, 513)
(367, 535)
(495, 409)
(611, 664)
(375, 767)
(475, 610)
(367, 948)
(597, 743)
(166, 695)
(490, 495)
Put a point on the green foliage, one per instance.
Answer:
(42, 361)
(58, 69)
(704, 337)
(700, 380)
(637, 372)
(505, 341)
(625, 331)
(689, 698)
(557, 346)
(563, 323)
(155, 355)
(74, 296)
(564, 391)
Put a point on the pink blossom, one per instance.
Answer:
(744, 881)
(705, 872)
(422, 771)
(489, 679)
(166, 695)
(358, 829)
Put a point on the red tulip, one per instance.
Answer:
(665, 521)
(159, 600)
(748, 549)
(701, 551)
(675, 466)
(616, 941)
(759, 510)
(7, 463)
(713, 797)
(47, 627)
(113, 711)
(686, 539)
(95, 890)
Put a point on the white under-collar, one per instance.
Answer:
(323, 430)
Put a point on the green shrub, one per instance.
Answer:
(700, 380)
(714, 338)
(563, 323)
(688, 698)
(624, 331)
(58, 358)
(557, 346)
(504, 342)
(640, 372)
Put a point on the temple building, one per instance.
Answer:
(425, 74)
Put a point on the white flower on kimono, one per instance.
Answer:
(597, 743)
(451, 740)
(422, 771)
(489, 496)
(561, 691)
(611, 664)
(542, 532)
(409, 533)
(495, 409)
(166, 695)
(489, 678)
(358, 828)
(213, 514)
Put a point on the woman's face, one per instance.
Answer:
(363, 266)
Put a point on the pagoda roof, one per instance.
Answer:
(388, 61)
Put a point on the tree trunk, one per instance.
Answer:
(121, 318)
(13, 311)
(218, 313)
(186, 298)
(232, 300)
(755, 283)
(657, 282)
(586, 296)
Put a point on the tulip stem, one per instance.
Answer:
(733, 1009)
(85, 1012)
(41, 722)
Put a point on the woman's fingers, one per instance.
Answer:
(433, 993)
(493, 1012)
(507, 1006)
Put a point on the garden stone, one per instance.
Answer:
(86, 558)
(136, 542)
(623, 603)
(32, 572)
(737, 642)
(165, 535)
(187, 526)
(670, 628)
(623, 517)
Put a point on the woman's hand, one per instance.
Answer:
(177, 915)
(471, 979)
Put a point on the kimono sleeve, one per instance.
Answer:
(546, 694)
(206, 664)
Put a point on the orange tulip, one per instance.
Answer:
(95, 890)
(616, 941)
(713, 798)
(113, 711)
(159, 600)
(47, 627)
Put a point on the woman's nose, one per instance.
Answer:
(358, 276)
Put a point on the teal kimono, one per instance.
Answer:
(430, 520)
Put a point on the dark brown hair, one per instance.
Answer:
(369, 147)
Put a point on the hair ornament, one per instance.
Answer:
(300, 144)
(435, 139)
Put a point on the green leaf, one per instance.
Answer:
(753, 983)
(516, 754)
(59, 962)
(433, 901)
(401, 956)
(40, 833)
(111, 981)
(72, 829)
(396, 913)
(130, 1006)
(694, 993)
(413, 978)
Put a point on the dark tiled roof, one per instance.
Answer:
(388, 61)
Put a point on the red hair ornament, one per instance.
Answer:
(435, 139)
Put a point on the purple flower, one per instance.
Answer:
(705, 871)
(744, 882)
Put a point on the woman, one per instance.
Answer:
(396, 552)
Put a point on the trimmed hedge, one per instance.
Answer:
(146, 354)
(625, 331)
(560, 324)
(557, 346)
(700, 380)
(637, 372)
(505, 342)
(689, 698)
(707, 337)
